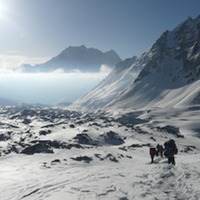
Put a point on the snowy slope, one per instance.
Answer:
(118, 80)
(173, 72)
(77, 58)
(168, 74)
(96, 165)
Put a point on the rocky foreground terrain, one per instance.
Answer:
(53, 153)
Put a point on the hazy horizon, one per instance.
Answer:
(48, 88)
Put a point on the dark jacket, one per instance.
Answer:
(170, 148)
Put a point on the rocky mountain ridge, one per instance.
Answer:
(167, 69)
(76, 58)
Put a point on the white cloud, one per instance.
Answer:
(105, 69)
(58, 71)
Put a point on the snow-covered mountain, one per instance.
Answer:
(76, 58)
(118, 80)
(169, 74)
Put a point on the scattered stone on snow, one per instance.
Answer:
(86, 159)
(188, 149)
(4, 137)
(138, 145)
(170, 129)
(72, 126)
(83, 138)
(44, 132)
(123, 148)
(26, 121)
(152, 138)
(111, 157)
(37, 148)
(55, 161)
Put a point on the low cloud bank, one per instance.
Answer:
(49, 88)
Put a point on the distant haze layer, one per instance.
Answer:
(49, 88)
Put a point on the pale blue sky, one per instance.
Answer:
(43, 28)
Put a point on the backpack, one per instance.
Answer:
(170, 148)
(153, 151)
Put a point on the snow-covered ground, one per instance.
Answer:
(97, 155)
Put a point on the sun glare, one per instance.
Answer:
(3, 11)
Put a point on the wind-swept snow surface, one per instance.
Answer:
(53, 154)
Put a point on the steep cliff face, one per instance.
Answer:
(171, 66)
(177, 53)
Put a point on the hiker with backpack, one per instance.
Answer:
(153, 152)
(160, 150)
(170, 150)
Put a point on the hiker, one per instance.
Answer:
(153, 153)
(160, 150)
(170, 150)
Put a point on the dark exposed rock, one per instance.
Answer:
(113, 138)
(152, 138)
(4, 137)
(6, 125)
(123, 148)
(54, 144)
(69, 146)
(111, 158)
(28, 112)
(135, 146)
(130, 118)
(48, 126)
(14, 149)
(97, 155)
(139, 130)
(83, 138)
(80, 122)
(138, 145)
(94, 124)
(72, 126)
(26, 121)
(170, 129)
(123, 198)
(129, 157)
(44, 146)
(55, 161)
(83, 158)
(44, 132)
(188, 148)
(37, 148)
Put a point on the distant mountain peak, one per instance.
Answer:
(77, 58)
